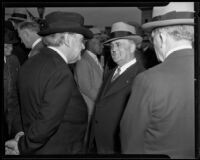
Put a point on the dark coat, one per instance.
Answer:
(109, 108)
(11, 99)
(53, 111)
(159, 117)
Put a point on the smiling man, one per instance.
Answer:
(115, 91)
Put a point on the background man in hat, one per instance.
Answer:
(54, 113)
(28, 32)
(19, 15)
(159, 117)
(115, 91)
(11, 99)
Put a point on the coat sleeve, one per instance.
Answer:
(136, 117)
(84, 79)
(52, 109)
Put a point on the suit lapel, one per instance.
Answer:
(121, 82)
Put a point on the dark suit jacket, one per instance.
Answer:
(11, 99)
(109, 107)
(159, 117)
(36, 49)
(53, 111)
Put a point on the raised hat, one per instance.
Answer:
(19, 14)
(174, 13)
(58, 22)
(121, 30)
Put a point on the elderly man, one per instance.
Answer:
(115, 91)
(28, 32)
(159, 117)
(54, 113)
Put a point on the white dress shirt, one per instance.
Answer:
(60, 53)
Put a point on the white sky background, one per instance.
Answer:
(97, 16)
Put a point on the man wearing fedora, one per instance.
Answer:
(159, 117)
(19, 15)
(54, 113)
(11, 99)
(115, 90)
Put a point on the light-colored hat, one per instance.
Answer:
(121, 30)
(174, 13)
(19, 14)
(95, 30)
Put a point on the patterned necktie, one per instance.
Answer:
(117, 74)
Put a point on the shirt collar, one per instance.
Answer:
(127, 65)
(60, 53)
(36, 42)
(178, 48)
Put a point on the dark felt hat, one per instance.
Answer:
(58, 22)
(10, 37)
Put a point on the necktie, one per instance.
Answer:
(117, 74)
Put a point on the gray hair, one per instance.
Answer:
(33, 26)
(178, 32)
(56, 39)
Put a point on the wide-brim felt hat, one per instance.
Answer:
(10, 37)
(59, 22)
(122, 30)
(19, 14)
(175, 13)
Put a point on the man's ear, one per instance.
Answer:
(133, 47)
(162, 37)
(67, 40)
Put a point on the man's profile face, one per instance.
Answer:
(76, 47)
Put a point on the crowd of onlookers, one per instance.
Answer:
(70, 89)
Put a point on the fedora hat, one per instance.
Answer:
(10, 37)
(19, 14)
(121, 30)
(174, 13)
(58, 22)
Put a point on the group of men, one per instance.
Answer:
(130, 110)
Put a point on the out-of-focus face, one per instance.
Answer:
(122, 51)
(7, 49)
(77, 46)
(96, 46)
(23, 34)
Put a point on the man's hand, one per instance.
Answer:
(11, 147)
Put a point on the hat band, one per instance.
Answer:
(18, 15)
(174, 15)
(120, 34)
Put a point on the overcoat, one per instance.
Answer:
(89, 77)
(109, 108)
(159, 117)
(54, 113)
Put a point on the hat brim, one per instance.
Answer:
(80, 30)
(16, 18)
(151, 25)
(136, 38)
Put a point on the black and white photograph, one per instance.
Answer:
(101, 80)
